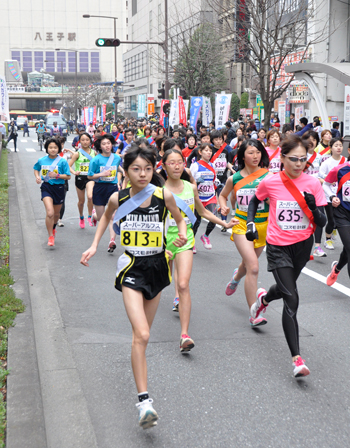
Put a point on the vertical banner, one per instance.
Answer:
(222, 109)
(347, 111)
(207, 114)
(174, 113)
(162, 114)
(182, 111)
(282, 112)
(150, 104)
(86, 116)
(196, 104)
(103, 113)
(94, 115)
(91, 114)
(186, 103)
(141, 106)
(4, 100)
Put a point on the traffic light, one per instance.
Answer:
(183, 93)
(161, 94)
(107, 42)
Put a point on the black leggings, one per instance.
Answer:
(330, 219)
(63, 205)
(210, 226)
(286, 288)
(344, 233)
(318, 231)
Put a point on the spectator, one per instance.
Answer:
(25, 128)
(13, 133)
(305, 126)
(231, 134)
(335, 130)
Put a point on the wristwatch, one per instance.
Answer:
(58, 176)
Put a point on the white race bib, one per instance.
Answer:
(111, 178)
(289, 216)
(346, 191)
(244, 196)
(142, 238)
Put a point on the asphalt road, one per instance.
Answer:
(234, 389)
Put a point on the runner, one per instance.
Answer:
(253, 162)
(177, 181)
(81, 160)
(103, 171)
(273, 139)
(203, 138)
(323, 147)
(292, 220)
(341, 203)
(51, 172)
(336, 149)
(143, 269)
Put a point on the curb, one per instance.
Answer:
(67, 421)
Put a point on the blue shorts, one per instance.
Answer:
(102, 192)
(57, 192)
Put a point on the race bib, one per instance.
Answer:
(110, 178)
(190, 203)
(220, 165)
(325, 157)
(275, 165)
(84, 168)
(244, 196)
(141, 238)
(289, 216)
(45, 169)
(206, 189)
(346, 191)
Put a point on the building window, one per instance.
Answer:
(95, 61)
(150, 24)
(126, 4)
(134, 7)
(16, 56)
(84, 61)
(50, 66)
(27, 61)
(151, 88)
(61, 57)
(38, 60)
(71, 61)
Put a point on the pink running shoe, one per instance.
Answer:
(206, 242)
(90, 222)
(51, 241)
(300, 369)
(332, 277)
(111, 246)
(258, 307)
(232, 285)
(93, 219)
(258, 321)
(82, 223)
(194, 250)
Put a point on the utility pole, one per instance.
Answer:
(166, 52)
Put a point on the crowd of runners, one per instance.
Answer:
(277, 191)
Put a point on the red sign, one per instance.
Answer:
(182, 111)
(292, 58)
(162, 114)
(94, 116)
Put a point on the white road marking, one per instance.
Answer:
(30, 149)
(24, 141)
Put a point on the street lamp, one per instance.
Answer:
(62, 76)
(116, 97)
(76, 80)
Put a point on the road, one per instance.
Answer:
(71, 383)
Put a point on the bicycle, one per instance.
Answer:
(41, 141)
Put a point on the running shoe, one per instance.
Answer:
(232, 285)
(111, 246)
(334, 235)
(258, 307)
(233, 212)
(328, 244)
(223, 229)
(60, 223)
(194, 250)
(332, 277)
(51, 241)
(258, 321)
(93, 219)
(319, 252)
(206, 242)
(54, 233)
(176, 304)
(147, 415)
(186, 343)
(300, 369)
(90, 222)
(82, 223)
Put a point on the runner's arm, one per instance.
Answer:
(223, 198)
(252, 209)
(75, 157)
(37, 176)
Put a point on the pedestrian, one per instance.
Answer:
(51, 172)
(12, 133)
(293, 218)
(143, 270)
(25, 128)
(335, 130)
(253, 162)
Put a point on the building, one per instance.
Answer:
(33, 31)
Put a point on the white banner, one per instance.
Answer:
(4, 100)
(174, 113)
(222, 109)
(186, 103)
(282, 112)
(207, 114)
(347, 111)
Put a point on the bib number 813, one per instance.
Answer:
(140, 239)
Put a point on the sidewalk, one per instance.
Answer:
(45, 403)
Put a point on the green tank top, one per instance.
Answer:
(245, 194)
(187, 195)
(82, 163)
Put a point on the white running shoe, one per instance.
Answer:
(319, 252)
(300, 369)
(334, 235)
(258, 307)
(328, 244)
(206, 242)
(147, 415)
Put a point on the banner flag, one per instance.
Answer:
(196, 104)
(4, 100)
(174, 113)
(222, 109)
(182, 111)
(207, 114)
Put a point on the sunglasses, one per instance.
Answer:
(297, 159)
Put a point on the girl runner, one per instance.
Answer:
(273, 149)
(253, 162)
(204, 174)
(81, 160)
(51, 172)
(103, 171)
(336, 158)
(177, 181)
(191, 145)
(292, 220)
(143, 270)
(341, 203)
(323, 148)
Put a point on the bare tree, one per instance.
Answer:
(263, 34)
